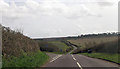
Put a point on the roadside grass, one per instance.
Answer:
(28, 60)
(60, 45)
(106, 56)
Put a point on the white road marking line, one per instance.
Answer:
(74, 58)
(77, 62)
(55, 58)
(79, 65)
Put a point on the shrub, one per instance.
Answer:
(15, 43)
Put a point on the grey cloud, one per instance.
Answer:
(53, 18)
(105, 3)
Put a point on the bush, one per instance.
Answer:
(15, 43)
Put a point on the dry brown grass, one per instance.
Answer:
(15, 43)
(91, 42)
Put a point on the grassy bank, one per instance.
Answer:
(103, 44)
(111, 57)
(60, 45)
(26, 60)
(57, 47)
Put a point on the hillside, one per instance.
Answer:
(98, 43)
(54, 46)
(20, 51)
(102, 46)
(15, 43)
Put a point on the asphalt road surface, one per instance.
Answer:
(80, 61)
(76, 61)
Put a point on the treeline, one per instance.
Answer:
(79, 36)
(99, 35)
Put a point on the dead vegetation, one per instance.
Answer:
(15, 43)
(104, 44)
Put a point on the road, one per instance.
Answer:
(76, 61)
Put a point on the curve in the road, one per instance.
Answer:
(78, 61)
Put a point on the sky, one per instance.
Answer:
(59, 18)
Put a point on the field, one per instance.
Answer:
(60, 45)
(110, 57)
(96, 43)
(105, 47)
(54, 46)
(89, 42)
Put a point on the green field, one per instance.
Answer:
(111, 57)
(60, 45)
(26, 60)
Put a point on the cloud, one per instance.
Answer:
(105, 3)
(43, 18)
(32, 4)
(46, 7)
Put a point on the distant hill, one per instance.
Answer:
(79, 36)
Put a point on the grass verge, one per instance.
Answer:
(110, 57)
(26, 60)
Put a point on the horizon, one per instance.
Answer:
(70, 35)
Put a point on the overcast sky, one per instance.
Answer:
(55, 18)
